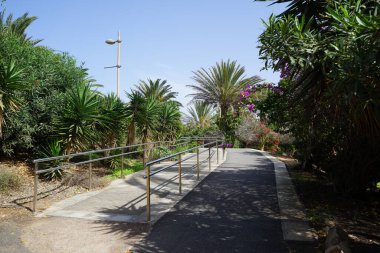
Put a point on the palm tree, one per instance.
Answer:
(169, 121)
(147, 120)
(11, 81)
(220, 85)
(17, 26)
(113, 130)
(201, 114)
(77, 122)
(133, 111)
(156, 89)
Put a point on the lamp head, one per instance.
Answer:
(110, 41)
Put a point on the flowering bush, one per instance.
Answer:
(227, 145)
(252, 98)
(268, 139)
(252, 95)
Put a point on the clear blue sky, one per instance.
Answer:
(165, 39)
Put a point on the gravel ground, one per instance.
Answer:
(21, 232)
(48, 191)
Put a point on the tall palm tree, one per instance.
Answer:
(11, 81)
(200, 114)
(17, 26)
(220, 85)
(157, 89)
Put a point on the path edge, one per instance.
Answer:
(294, 223)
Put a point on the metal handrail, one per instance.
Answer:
(176, 154)
(116, 148)
(93, 152)
(96, 159)
(87, 161)
(171, 165)
(178, 162)
(182, 141)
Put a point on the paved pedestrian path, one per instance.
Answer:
(246, 204)
(125, 199)
(235, 209)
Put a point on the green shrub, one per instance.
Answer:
(130, 166)
(161, 151)
(9, 181)
(52, 149)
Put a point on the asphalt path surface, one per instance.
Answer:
(235, 209)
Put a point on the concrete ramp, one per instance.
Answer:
(124, 200)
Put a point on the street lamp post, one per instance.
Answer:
(118, 66)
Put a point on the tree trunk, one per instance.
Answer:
(131, 134)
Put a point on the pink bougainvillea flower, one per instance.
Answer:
(251, 107)
(276, 90)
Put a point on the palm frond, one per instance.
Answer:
(157, 89)
(220, 85)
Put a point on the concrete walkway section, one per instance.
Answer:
(295, 225)
(235, 209)
(125, 199)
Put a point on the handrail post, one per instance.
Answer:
(122, 163)
(179, 174)
(144, 154)
(209, 158)
(35, 187)
(217, 153)
(148, 194)
(224, 151)
(197, 163)
(90, 187)
(159, 151)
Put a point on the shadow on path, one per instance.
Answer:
(234, 209)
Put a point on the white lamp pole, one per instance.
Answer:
(118, 66)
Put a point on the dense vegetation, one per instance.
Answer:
(328, 53)
(50, 106)
(219, 86)
(326, 108)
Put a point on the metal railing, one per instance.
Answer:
(88, 158)
(213, 143)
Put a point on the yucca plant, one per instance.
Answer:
(132, 112)
(113, 131)
(147, 120)
(77, 123)
(169, 121)
(11, 81)
(54, 148)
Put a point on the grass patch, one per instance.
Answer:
(130, 166)
(9, 181)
